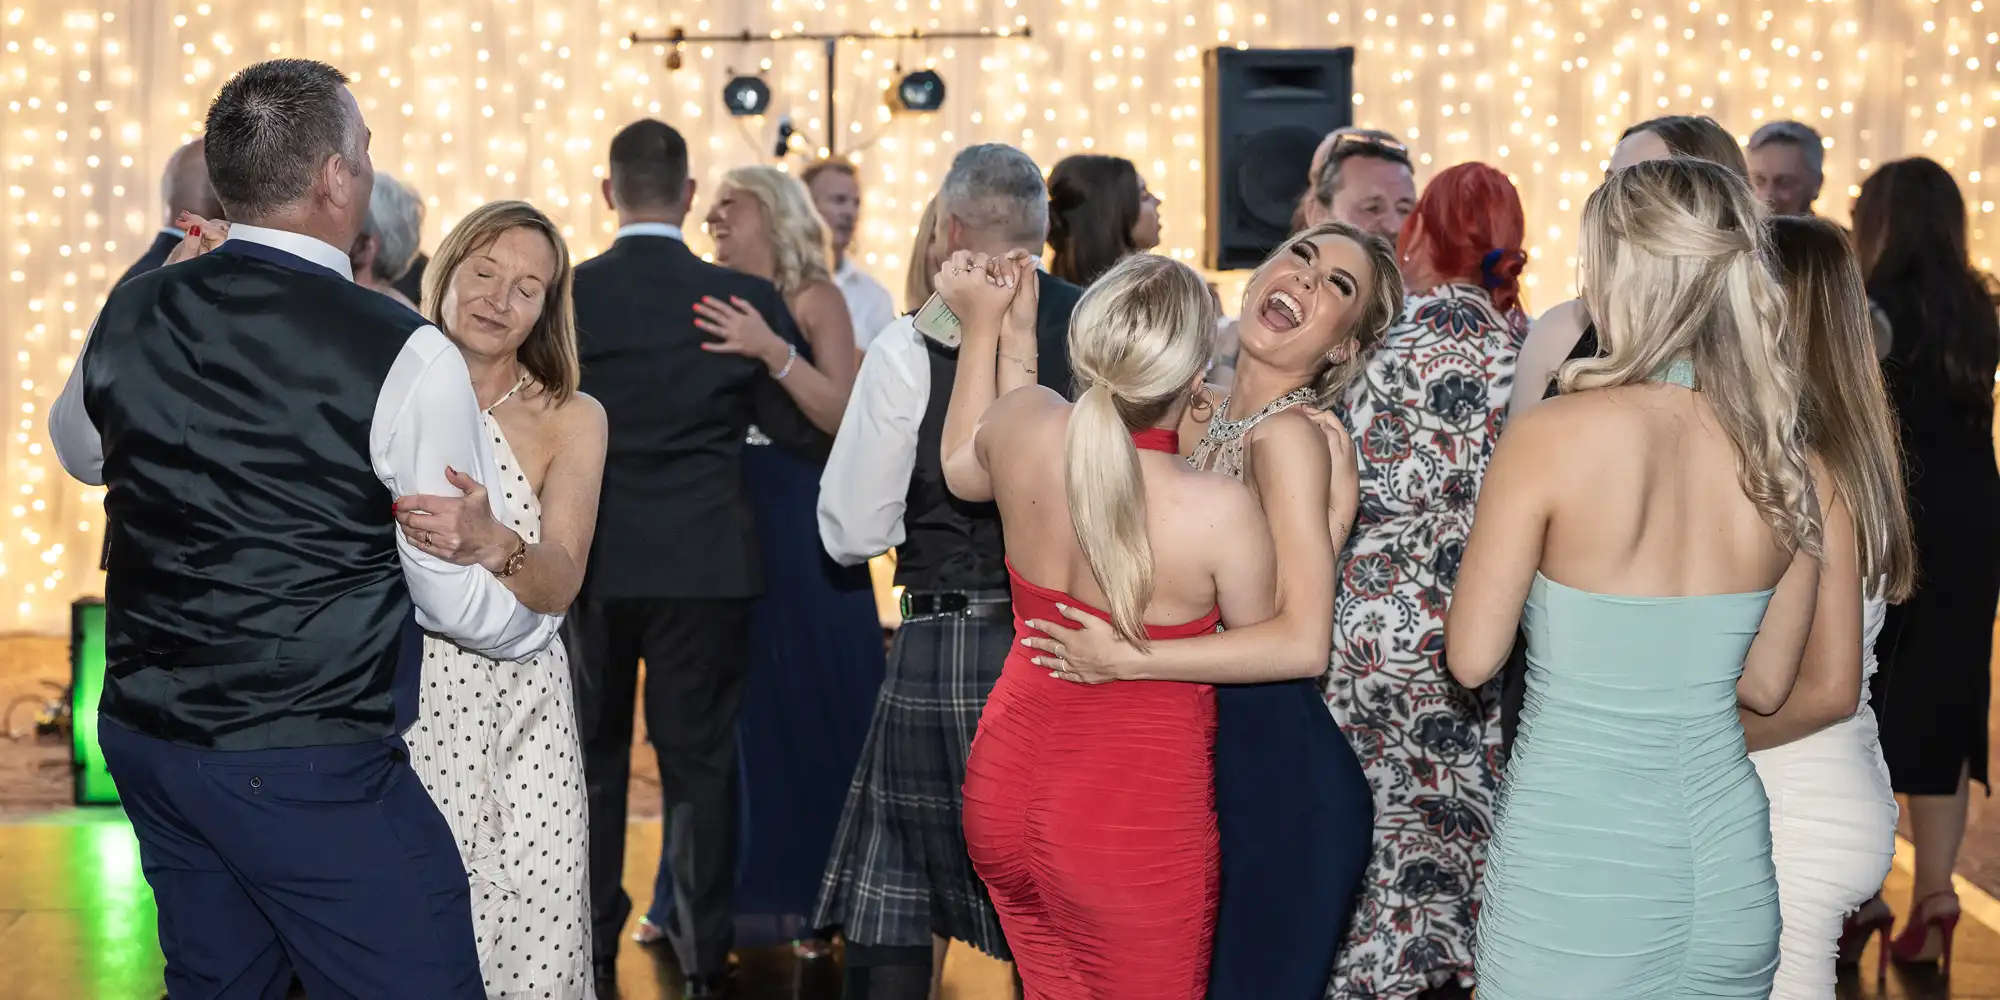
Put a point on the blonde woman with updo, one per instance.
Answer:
(1089, 810)
(815, 651)
(1656, 531)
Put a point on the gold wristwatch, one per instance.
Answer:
(515, 561)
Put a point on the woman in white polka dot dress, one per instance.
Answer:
(495, 742)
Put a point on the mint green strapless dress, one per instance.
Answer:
(1631, 858)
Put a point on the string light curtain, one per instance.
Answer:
(472, 100)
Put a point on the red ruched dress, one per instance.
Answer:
(1090, 815)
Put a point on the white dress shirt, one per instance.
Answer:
(665, 229)
(868, 303)
(426, 418)
(866, 482)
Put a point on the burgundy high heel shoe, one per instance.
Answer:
(1913, 946)
(1873, 919)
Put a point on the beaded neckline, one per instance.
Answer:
(1221, 428)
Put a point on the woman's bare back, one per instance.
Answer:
(1644, 499)
(1209, 542)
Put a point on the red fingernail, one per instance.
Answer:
(194, 230)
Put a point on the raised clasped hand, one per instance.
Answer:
(1083, 651)
(978, 288)
(460, 530)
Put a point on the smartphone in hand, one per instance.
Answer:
(936, 321)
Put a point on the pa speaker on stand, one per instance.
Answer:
(1267, 110)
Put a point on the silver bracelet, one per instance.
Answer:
(791, 355)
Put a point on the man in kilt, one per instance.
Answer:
(898, 884)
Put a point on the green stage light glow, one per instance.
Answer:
(86, 677)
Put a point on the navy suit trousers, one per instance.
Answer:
(331, 862)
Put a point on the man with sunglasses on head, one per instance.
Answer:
(1362, 177)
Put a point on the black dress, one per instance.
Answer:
(1514, 676)
(1932, 691)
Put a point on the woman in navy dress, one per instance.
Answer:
(1293, 807)
(816, 654)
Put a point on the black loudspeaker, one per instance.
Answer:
(1268, 109)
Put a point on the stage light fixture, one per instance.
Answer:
(745, 96)
(921, 92)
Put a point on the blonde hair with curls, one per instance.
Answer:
(800, 247)
(1141, 336)
(1675, 265)
(1381, 306)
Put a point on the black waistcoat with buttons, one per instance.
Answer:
(254, 597)
(949, 544)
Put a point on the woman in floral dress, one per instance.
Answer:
(1424, 418)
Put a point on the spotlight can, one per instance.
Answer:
(921, 92)
(744, 96)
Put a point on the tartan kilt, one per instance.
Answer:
(899, 871)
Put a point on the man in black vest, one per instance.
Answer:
(899, 883)
(184, 190)
(254, 415)
(675, 565)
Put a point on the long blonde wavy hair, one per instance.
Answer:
(1675, 264)
(800, 248)
(1139, 339)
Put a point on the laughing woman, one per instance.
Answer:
(1290, 798)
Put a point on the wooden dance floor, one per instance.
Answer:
(77, 919)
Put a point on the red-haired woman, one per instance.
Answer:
(1424, 417)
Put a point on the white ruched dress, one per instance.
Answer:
(496, 746)
(1833, 832)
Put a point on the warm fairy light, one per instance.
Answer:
(472, 100)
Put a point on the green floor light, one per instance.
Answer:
(86, 678)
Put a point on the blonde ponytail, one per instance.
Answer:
(1140, 337)
(1107, 506)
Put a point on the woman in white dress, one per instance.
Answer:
(495, 743)
(1833, 817)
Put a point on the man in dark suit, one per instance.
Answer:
(184, 188)
(675, 565)
(899, 883)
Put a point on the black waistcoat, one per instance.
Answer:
(949, 544)
(254, 598)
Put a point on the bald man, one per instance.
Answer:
(184, 188)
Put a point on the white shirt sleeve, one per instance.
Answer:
(78, 446)
(864, 488)
(425, 420)
(870, 306)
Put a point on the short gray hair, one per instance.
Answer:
(396, 220)
(1798, 134)
(995, 187)
(272, 128)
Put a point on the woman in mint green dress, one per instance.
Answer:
(1655, 531)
